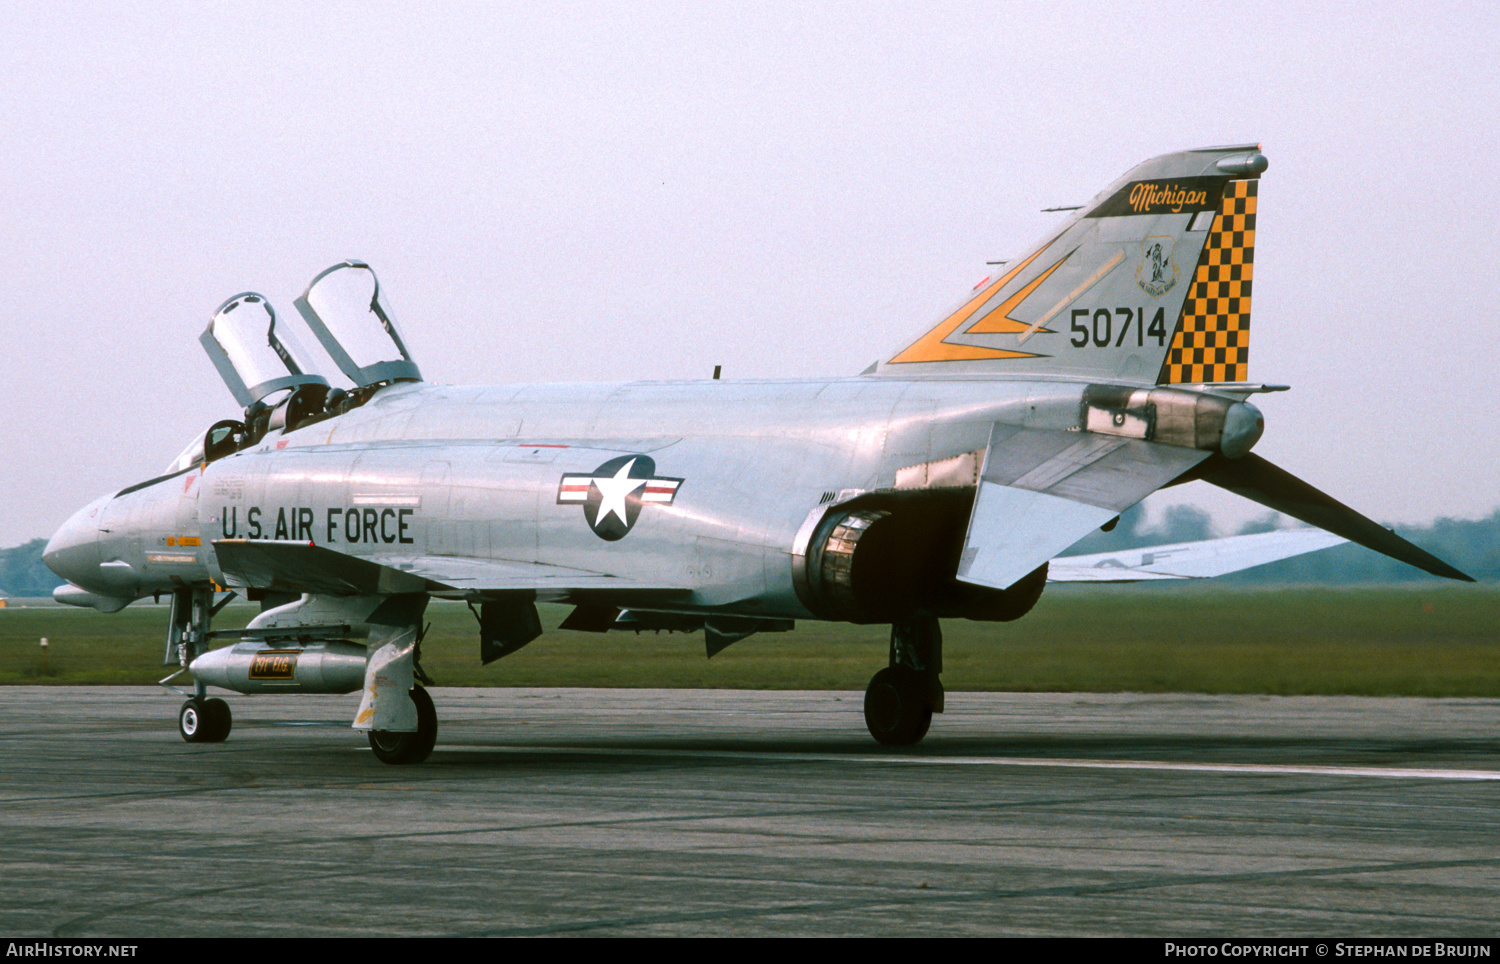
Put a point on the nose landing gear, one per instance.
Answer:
(201, 719)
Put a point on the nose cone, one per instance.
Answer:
(73, 551)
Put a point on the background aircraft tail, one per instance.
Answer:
(1149, 282)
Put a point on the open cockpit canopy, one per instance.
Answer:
(267, 369)
(345, 309)
(255, 357)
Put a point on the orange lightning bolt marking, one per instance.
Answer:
(933, 346)
(999, 322)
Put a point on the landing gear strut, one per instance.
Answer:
(901, 699)
(400, 748)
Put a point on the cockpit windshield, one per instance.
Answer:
(347, 312)
(253, 355)
(191, 456)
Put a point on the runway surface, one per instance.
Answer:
(650, 812)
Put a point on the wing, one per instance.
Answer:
(1191, 560)
(1042, 490)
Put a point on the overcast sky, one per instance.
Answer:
(603, 192)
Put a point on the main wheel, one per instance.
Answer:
(897, 707)
(219, 720)
(401, 748)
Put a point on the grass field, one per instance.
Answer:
(1435, 641)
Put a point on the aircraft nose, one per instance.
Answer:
(73, 550)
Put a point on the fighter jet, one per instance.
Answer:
(939, 483)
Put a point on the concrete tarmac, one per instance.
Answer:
(652, 812)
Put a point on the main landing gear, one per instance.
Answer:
(400, 748)
(901, 699)
(302, 646)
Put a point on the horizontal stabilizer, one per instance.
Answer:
(301, 567)
(1259, 481)
(1191, 560)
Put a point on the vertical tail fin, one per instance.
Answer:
(1149, 282)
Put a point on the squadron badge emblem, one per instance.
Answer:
(1157, 272)
(612, 495)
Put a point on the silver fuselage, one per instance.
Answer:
(474, 473)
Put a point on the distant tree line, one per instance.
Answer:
(22, 572)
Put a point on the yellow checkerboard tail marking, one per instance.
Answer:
(1212, 340)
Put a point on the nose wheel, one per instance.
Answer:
(201, 719)
(204, 720)
(402, 748)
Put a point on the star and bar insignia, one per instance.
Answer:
(612, 494)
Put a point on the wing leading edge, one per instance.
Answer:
(300, 567)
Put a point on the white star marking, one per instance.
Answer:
(613, 493)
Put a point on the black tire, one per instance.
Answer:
(399, 749)
(220, 720)
(898, 710)
(193, 723)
